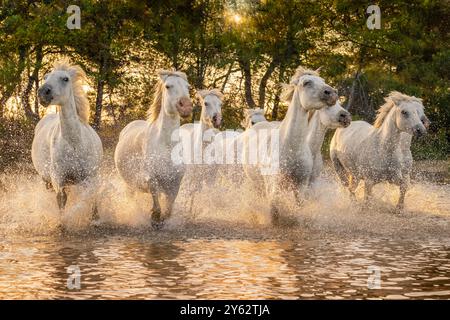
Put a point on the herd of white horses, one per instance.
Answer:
(67, 151)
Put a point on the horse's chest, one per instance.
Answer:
(73, 164)
(297, 165)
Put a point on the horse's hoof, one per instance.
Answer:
(399, 210)
(157, 225)
(61, 229)
(95, 223)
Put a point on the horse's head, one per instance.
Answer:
(313, 92)
(253, 116)
(211, 101)
(335, 116)
(58, 84)
(175, 93)
(409, 114)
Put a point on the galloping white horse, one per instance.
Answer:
(197, 137)
(380, 152)
(66, 150)
(306, 91)
(143, 153)
(319, 122)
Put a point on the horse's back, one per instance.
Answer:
(352, 136)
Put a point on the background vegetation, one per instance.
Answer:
(243, 47)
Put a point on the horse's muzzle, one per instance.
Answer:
(329, 96)
(345, 118)
(419, 131)
(217, 120)
(184, 107)
(45, 95)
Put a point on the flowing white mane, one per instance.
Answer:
(394, 98)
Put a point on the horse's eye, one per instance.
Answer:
(65, 79)
(405, 113)
(168, 86)
(206, 104)
(307, 83)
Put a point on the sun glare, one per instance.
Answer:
(237, 18)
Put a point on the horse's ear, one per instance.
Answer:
(201, 94)
(318, 69)
(162, 74)
(395, 97)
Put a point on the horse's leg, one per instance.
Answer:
(353, 184)
(61, 198)
(156, 207)
(401, 201)
(368, 186)
(172, 196)
(48, 184)
(273, 192)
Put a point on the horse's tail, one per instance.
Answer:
(339, 168)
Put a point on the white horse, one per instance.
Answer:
(143, 153)
(252, 116)
(380, 152)
(66, 150)
(306, 91)
(197, 137)
(319, 122)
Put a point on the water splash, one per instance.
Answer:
(231, 203)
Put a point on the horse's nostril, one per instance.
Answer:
(327, 92)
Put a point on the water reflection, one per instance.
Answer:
(135, 267)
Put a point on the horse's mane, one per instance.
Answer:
(394, 98)
(288, 89)
(155, 107)
(78, 77)
(216, 92)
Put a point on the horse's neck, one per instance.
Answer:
(200, 128)
(316, 133)
(388, 134)
(69, 121)
(294, 127)
(164, 126)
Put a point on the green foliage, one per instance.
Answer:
(245, 48)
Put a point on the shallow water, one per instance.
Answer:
(330, 248)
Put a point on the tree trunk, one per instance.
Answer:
(98, 102)
(276, 102)
(29, 114)
(351, 96)
(263, 84)
(245, 68)
(227, 76)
